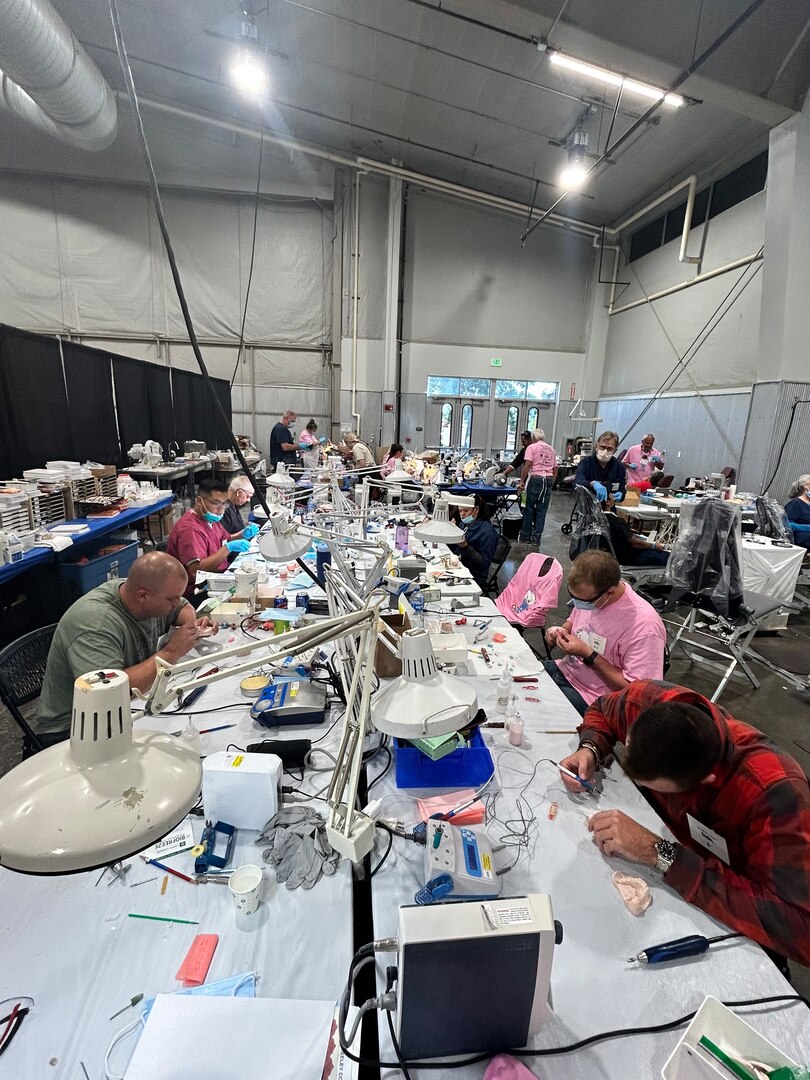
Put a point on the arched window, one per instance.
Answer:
(532, 418)
(466, 426)
(511, 427)
(446, 425)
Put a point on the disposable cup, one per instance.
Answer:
(245, 885)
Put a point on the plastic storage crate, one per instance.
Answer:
(468, 767)
(99, 568)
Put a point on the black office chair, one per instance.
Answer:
(22, 670)
(498, 559)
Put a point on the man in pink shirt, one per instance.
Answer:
(537, 476)
(642, 460)
(612, 638)
(199, 540)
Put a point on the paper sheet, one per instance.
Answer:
(248, 1039)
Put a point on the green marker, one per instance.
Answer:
(161, 918)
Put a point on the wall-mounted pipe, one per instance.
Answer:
(355, 297)
(727, 268)
(47, 78)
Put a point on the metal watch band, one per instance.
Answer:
(665, 852)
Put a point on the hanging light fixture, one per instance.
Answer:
(613, 78)
(575, 172)
(248, 73)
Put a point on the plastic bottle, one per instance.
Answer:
(515, 724)
(190, 737)
(511, 713)
(504, 689)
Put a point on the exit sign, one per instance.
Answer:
(496, 361)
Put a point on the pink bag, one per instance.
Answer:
(532, 592)
(505, 1067)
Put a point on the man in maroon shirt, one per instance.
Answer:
(738, 806)
(199, 540)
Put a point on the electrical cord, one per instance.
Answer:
(395, 1043)
(798, 401)
(241, 347)
(382, 774)
(389, 833)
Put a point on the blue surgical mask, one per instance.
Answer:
(582, 605)
(467, 520)
(211, 518)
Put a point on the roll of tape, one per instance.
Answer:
(197, 851)
(253, 685)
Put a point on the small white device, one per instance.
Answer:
(241, 789)
(449, 648)
(458, 864)
(475, 977)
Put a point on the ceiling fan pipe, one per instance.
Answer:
(47, 78)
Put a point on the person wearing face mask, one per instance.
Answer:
(477, 548)
(611, 638)
(199, 540)
(601, 472)
(643, 459)
(797, 509)
(239, 491)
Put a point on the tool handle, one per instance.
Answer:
(693, 945)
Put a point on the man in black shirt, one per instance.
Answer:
(630, 548)
(517, 462)
(282, 447)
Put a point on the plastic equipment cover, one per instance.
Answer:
(705, 558)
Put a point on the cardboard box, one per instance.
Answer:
(386, 665)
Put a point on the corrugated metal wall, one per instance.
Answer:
(683, 428)
(771, 409)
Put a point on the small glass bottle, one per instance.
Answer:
(190, 737)
(516, 730)
(504, 687)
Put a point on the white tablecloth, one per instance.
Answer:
(70, 944)
(772, 571)
(594, 989)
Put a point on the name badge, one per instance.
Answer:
(597, 642)
(708, 839)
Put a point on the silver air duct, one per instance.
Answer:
(48, 79)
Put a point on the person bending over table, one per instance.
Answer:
(612, 637)
(239, 491)
(199, 540)
(393, 459)
(537, 475)
(798, 512)
(601, 472)
(477, 549)
(358, 454)
(738, 806)
(118, 625)
(632, 548)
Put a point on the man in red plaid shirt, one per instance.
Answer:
(738, 806)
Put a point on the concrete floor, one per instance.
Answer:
(780, 711)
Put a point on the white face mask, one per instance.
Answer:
(604, 456)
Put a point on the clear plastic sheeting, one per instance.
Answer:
(705, 559)
(589, 526)
(772, 520)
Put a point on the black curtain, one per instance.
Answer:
(186, 425)
(92, 409)
(221, 432)
(144, 401)
(34, 422)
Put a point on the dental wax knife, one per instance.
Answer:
(679, 949)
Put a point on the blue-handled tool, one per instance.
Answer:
(679, 949)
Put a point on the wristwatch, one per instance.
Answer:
(589, 661)
(665, 852)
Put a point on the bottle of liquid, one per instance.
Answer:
(511, 713)
(504, 689)
(190, 737)
(402, 537)
(516, 728)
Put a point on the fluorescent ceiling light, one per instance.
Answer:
(248, 75)
(103, 796)
(632, 86)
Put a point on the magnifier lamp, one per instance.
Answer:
(105, 795)
(439, 529)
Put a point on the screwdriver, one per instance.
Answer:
(134, 1001)
(679, 949)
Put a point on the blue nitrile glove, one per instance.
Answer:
(322, 440)
(601, 491)
(304, 446)
(238, 547)
(250, 530)
(798, 527)
(657, 461)
(631, 465)
(617, 496)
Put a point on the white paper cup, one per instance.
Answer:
(245, 885)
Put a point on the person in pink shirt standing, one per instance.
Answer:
(643, 459)
(612, 638)
(199, 540)
(537, 476)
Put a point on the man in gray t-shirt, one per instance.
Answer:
(118, 625)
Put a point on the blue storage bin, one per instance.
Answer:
(86, 576)
(468, 767)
